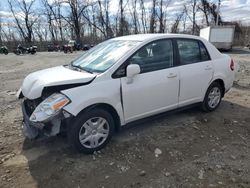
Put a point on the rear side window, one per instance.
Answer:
(204, 53)
(191, 51)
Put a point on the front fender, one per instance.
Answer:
(107, 92)
(19, 94)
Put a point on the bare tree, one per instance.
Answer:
(175, 26)
(104, 18)
(1, 32)
(75, 19)
(109, 30)
(92, 21)
(122, 19)
(40, 30)
(205, 8)
(86, 20)
(25, 17)
(163, 5)
(50, 14)
(184, 18)
(153, 17)
(133, 12)
(209, 9)
(143, 16)
(194, 9)
(215, 14)
(161, 17)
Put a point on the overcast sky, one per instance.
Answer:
(231, 10)
(236, 10)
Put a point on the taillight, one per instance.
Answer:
(232, 65)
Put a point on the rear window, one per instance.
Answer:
(204, 53)
(191, 51)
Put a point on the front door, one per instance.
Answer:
(155, 89)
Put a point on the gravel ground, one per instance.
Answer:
(184, 149)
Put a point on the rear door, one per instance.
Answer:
(196, 70)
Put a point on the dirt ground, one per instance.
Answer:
(195, 149)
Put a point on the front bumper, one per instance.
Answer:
(50, 127)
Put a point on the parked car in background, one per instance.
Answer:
(220, 36)
(71, 46)
(25, 50)
(4, 50)
(122, 80)
(86, 47)
(77, 47)
(67, 48)
(53, 47)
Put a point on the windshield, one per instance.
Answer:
(104, 55)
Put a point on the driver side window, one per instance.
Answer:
(154, 56)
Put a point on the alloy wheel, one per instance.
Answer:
(214, 97)
(94, 132)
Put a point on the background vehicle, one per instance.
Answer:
(71, 46)
(4, 50)
(24, 50)
(67, 49)
(86, 47)
(53, 47)
(123, 80)
(220, 36)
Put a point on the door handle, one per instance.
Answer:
(208, 68)
(172, 75)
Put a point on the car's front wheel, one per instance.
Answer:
(213, 97)
(91, 130)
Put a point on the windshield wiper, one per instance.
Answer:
(81, 68)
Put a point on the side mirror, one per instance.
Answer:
(132, 70)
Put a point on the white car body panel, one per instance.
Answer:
(149, 92)
(223, 71)
(191, 76)
(35, 82)
(106, 92)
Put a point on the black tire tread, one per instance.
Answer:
(204, 105)
(73, 129)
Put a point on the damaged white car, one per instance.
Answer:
(122, 80)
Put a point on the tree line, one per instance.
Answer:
(95, 20)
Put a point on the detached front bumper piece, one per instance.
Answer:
(50, 127)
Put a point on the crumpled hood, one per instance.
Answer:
(34, 83)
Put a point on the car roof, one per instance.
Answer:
(146, 37)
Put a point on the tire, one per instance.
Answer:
(215, 89)
(84, 121)
(17, 52)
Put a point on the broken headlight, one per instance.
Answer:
(49, 107)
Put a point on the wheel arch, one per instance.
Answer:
(222, 84)
(109, 109)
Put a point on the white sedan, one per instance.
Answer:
(122, 80)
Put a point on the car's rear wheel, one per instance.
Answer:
(213, 97)
(91, 130)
